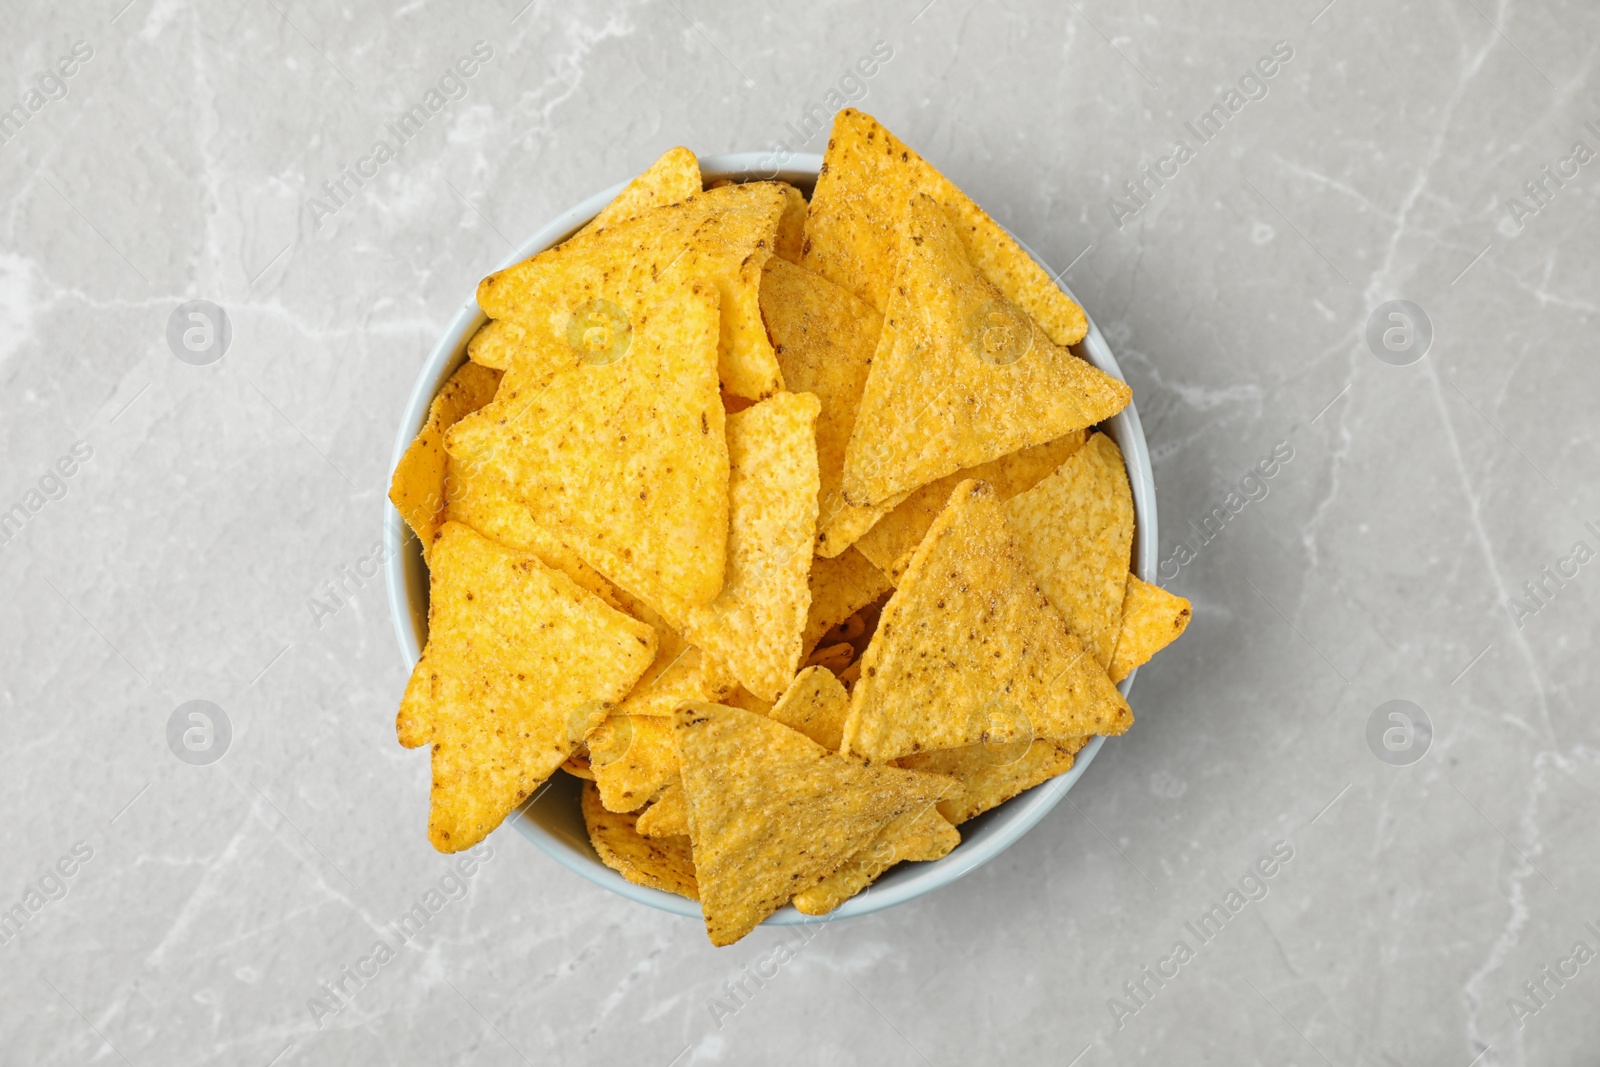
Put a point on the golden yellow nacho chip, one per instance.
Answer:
(1075, 530)
(815, 704)
(993, 774)
(520, 664)
(824, 338)
(868, 176)
(744, 699)
(671, 179)
(590, 290)
(890, 542)
(968, 649)
(915, 836)
(625, 461)
(418, 487)
(665, 864)
(754, 624)
(577, 764)
(668, 816)
(632, 757)
(1152, 619)
(479, 498)
(792, 228)
(771, 812)
(961, 375)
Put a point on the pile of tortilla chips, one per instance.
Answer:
(785, 525)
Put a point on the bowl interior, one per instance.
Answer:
(551, 819)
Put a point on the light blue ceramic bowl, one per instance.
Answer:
(552, 821)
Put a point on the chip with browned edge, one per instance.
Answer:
(1075, 530)
(993, 774)
(624, 460)
(868, 176)
(418, 487)
(588, 290)
(969, 650)
(1152, 619)
(520, 663)
(754, 624)
(736, 764)
(824, 338)
(961, 375)
(894, 537)
(662, 863)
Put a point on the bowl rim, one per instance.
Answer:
(991, 833)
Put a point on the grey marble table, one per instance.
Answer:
(1349, 887)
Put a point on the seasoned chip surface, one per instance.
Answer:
(1152, 619)
(868, 176)
(840, 587)
(671, 179)
(662, 863)
(816, 704)
(1075, 530)
(738, 768)
(961, 375)
(520, 663)
(993, 774)
(418, 486)
(625, 461)
(969, 650)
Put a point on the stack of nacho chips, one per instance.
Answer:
(785, 525)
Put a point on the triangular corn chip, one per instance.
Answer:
(479, 498)
(867, 178)
(671, 179)
(1152, 619)
(589, 290)
(1075, 530)
(668, 816)
(632, 757)
(968, 649)
(824, 338)
(961, 375)
(418, 487)
(745, 700)
(840, 587)
(625, 461)
(993, 774)
(665, 864)
(916, 836)
(771, 812)
(520, 663)
(754, 624)
(816, 704)
(894, 537)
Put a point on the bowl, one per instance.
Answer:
(552, 820)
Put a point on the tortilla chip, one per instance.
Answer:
(993, 774)
(890, 542)
(961, 375)
(671, 179)
(968, 649)
(821, 809)
(867, 178)
(816, 705)
(1075, 530)
(617, 274)
(1152, 619)
(665, 864)
(840, 587)
(479, 498)
(915, 836)
(520, 663)
(755, 623)
(625, 461)
(792, 228)
(577, 764)
(745, 700)
(417, 488)
(824, 338)
(669, 815)
(632, 757)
